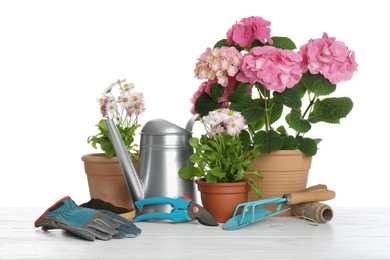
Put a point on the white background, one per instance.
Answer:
(56, 57)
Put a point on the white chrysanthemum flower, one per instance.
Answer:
(214, 118)
(127, 87)
(101, 100)
(215, 131)
(135, 108)
(111, 107)
(235, 124)
(124, 100)
(136, 97)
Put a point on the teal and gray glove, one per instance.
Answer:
(84, 222)
(126, 228)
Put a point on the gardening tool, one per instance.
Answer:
(164, 149)
(85, 222)
(254, 211)
(184, 209)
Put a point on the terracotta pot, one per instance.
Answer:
(283, 171)
(221, 199)
(106, 180)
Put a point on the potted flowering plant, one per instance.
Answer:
(124, 110)
(221, 158)
(263, 78)
(278, 90)
(105, 178)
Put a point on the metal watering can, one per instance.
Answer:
(164, 149)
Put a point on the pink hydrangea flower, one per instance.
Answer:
(275, 68)
(247, 30)
(332, 58)
(218, 63)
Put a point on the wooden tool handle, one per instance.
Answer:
(317, 187)
(309, 196)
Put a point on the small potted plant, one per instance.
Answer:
(222, 163)
(278, 90)
(105, 178)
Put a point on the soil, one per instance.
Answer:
(101, 204)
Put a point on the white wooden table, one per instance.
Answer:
(353, 233)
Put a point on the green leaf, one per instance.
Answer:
(268, 141)
(250, 108)
(291, 97)
(283, 43)
(256, 188)
(194, 142)
(295, 121)
(204, 104)
(275, 112)
(102, 125)
(218, 172)
(245, 139)
(221, 43)
(216, 91)
(331, 110)
(195, 158)
(317, 84)
(241, 88)
(289, 143)
(307, 146)
(282, 130)
(256, 43)
(211, 178)
(188, 172)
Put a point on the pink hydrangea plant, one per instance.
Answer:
(269, 79)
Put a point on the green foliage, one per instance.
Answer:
(103, 140)
(222, 158)
(331, 110)
(283, 43)
(206, 103)
(305, 101)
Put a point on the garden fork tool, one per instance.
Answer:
(184, 209)
(254, 211)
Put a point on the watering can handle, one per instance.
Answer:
(191, 123)
(309, 196)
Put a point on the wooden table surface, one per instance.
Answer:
(353, 233)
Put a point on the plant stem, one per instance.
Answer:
(311, 103)
(308, 109)
(265, 97)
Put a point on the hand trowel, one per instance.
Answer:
(254, 211)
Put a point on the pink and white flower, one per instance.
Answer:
(218, 63)
(221, 120)
(127, 87)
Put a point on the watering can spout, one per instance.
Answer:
(130, 174)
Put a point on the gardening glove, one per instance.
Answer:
(86, 223)
(126, 228)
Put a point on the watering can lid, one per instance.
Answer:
(162, 127)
